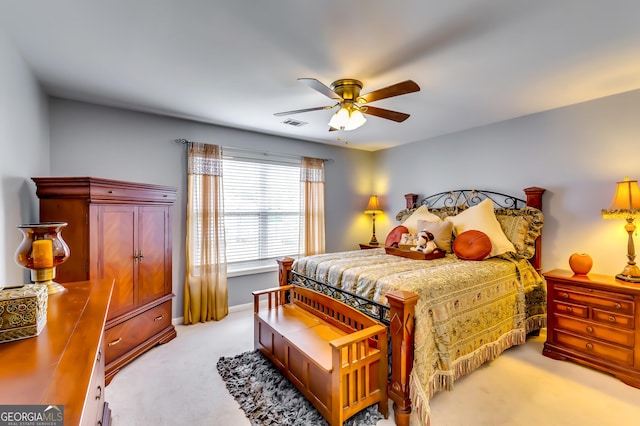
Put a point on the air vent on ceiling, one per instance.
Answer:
(295, 123)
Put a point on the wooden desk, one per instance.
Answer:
(64, 365)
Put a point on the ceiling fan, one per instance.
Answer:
(352, 105)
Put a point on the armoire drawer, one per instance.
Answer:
(131, 333)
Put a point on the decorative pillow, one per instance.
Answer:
(404, 214)
(442, 233)
(394, 237)
(421, 213)
(481, 217)
(522, 227)
(472, 245)
(444, 212)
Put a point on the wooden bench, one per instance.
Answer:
(334, 354)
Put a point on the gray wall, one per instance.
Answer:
(24, 152)
(90, 140)
(577, 153)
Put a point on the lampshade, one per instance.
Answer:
(348, 117)
(374, 205)
(626, 202)
(340, 119)
(356, 119)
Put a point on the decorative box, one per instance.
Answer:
(23, 311)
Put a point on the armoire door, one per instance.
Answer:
(154, 279)
(117, 247)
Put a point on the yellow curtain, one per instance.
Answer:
(205, 289)
(312, 177)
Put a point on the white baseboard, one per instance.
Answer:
(232, 309)
(239, 308)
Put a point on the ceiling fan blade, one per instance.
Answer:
(385, 113)
(408, 86)
(316, 85)
(298, 111)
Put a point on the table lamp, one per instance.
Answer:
(373, 208)
(626, 205)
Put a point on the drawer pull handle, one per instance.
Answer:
(159, 318)
(99, 358)
(589, 346)
(99, 395)
(110, 192)
(565, 296)
(612, 318)
(617, 305)
(589, 329)
(115, 342)
(569, 309)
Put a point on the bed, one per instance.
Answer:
(446, 316)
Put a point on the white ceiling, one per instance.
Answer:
(236, 62)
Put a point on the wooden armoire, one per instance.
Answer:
(118, 230)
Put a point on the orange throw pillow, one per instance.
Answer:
(472, 245)
(395, 236)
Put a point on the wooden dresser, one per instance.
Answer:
(118, 230)
(64, 365)
(594, 320)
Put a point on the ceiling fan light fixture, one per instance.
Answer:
(347, 118)
(356, 119)
(340, 119)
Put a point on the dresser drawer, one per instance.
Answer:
(572, 310)
(129, 334)
(604, 351)
(614, 302)
(95, 394)
(615, 320)
(593, 330)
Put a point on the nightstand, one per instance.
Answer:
(594, 320)
(365, 246)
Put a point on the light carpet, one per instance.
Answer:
(269, 399)
(178, 384)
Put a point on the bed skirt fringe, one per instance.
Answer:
(444, 380)
(536, 323)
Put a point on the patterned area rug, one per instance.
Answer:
(268, 398)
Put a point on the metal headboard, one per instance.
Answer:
(470, 197)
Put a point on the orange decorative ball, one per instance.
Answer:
(580, 263)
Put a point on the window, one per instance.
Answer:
(262, 209)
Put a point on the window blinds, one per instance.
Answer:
(262, 208)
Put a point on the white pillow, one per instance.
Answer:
(481, 217)
(421, 213)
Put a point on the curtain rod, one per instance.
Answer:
(326, 160)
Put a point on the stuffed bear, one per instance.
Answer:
(426, 243)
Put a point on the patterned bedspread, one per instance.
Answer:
(468, 312)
